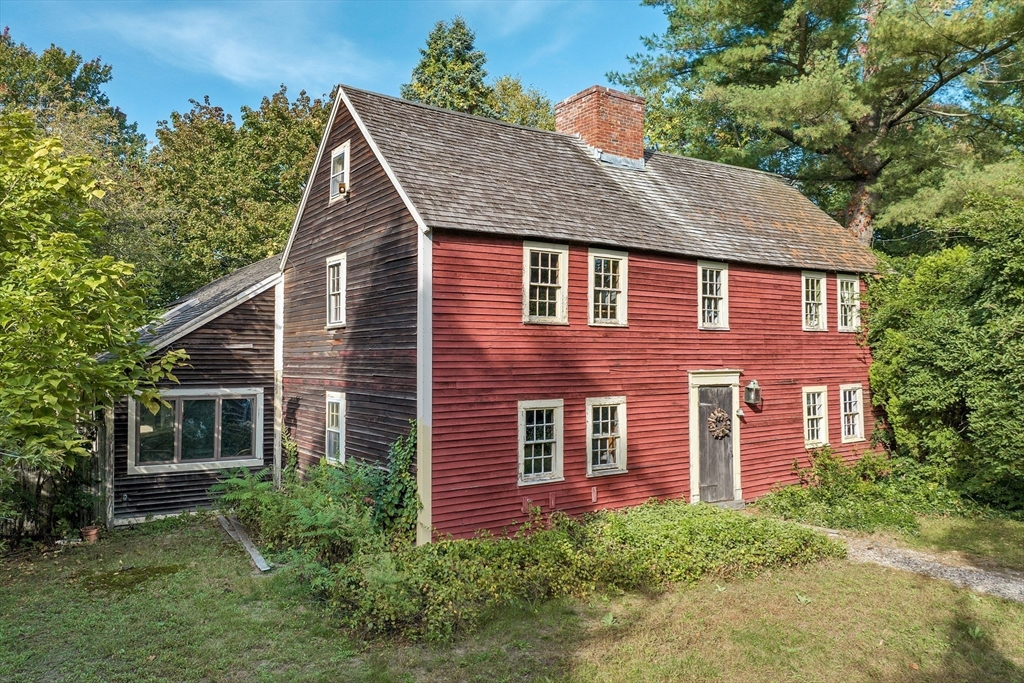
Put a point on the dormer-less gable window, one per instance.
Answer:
(339, 171)
(814, 302)
(609, 273)
(545, 283)
(713, 295)
(337, 274)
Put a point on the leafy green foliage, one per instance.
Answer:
(947, 335)
(382, 584)
(862, 102)
(450, 73)
(525, 106)
(223, 195)
(873, 493)
(395, 501)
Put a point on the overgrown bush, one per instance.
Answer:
(871, 494)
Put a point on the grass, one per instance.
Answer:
(179, 602)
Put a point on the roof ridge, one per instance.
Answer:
(568, 136)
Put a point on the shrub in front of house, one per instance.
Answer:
(872, 494)
(379, 583)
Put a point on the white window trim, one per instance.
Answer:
(556, 475)
(824, 415)
(804, 277)
(620, 460)
(347, 149)
(563, 290)
(724, 267)
(726, 377)
(621, 310)
(842, 416)
(334, 260)
(134, 467)
(335, 397)
(841, 278)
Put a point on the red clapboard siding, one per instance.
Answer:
(486, 360)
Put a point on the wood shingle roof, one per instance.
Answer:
(469, 173)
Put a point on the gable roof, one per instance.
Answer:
(194, 310)
(469, 173)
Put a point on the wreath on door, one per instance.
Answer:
(719, 423)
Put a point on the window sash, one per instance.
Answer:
(852, 412)
(849, 303)
(604, 437)
(607, 289)
(339, 171)
(337, 276)
(189, 432)
(815, 426)
(545, 284)
(713, 296)
(334, 423)
(539, 443)
(814, 302)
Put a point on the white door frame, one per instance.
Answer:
(713, 378)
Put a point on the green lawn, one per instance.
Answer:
(179, 602)
(985, 542)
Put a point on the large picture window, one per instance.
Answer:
(606, 427)
(545, 278)
(540, 441)
(200, 428)
(713, 296)
(609, 272)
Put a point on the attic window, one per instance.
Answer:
(339, 171)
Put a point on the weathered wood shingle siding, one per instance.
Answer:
(373, 358)
(486, 359)
(213, 364)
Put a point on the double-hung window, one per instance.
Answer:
(713, 295)
(334, 439)
(337, 274)
(848, 288)
(606, 429)
(339, 171)
(545, 283)
(540, 441)
(851, 397)
(607, 292)
(198, 429)
(814, 301)
(815, 416)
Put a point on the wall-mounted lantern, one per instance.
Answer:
(752, 392)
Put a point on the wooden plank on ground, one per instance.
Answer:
(243, 537)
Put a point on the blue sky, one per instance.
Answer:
(164, 53)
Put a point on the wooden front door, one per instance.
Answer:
(715, 427)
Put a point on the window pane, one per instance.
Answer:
(333, 446)
(539, 444)
(237, 425)
(198, 421)
(606, 289)
(544, 284)
(604, 436)
(156, 434)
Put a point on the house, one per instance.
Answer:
(216, 417)
(573, 321)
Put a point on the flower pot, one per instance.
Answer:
(90, 534)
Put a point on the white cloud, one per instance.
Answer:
(248, 44)
(505, 18)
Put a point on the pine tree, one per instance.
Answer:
(451, 73)
(855, 99)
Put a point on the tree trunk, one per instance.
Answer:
(860, 212)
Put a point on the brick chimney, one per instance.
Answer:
(607, 120)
